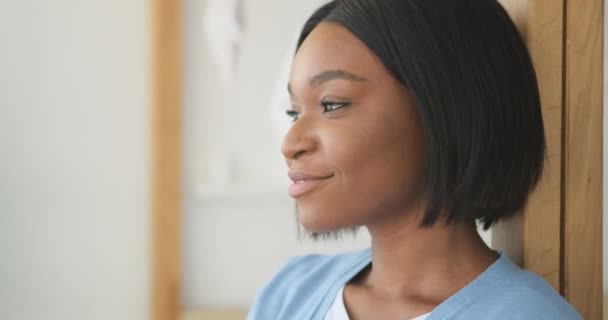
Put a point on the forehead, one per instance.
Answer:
(332, 47)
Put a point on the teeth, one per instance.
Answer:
(300, 181)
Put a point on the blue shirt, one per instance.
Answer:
(306, 286)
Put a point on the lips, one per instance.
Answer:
(296, 176)
(304, 182)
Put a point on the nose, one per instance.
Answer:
(301, 138)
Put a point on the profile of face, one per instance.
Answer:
(357, 131)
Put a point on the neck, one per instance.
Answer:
(433, 262)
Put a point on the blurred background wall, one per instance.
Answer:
(73, 159)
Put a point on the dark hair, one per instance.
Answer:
(475, 91)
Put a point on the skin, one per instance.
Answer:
(372, 146)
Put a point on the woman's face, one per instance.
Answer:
(356, 130)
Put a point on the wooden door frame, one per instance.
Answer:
(165, 158)
(582, 254)
(542, 226)
(563, 221)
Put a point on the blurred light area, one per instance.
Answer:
(74, 159)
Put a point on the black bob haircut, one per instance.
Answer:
(475, 91)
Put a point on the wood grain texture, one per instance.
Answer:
(166, 92)
(543, 215)
(583, 157)
(541, 24)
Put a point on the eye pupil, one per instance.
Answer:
(331, 106)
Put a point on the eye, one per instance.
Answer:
(329, 106)
(292, 114)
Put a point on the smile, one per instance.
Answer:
(300, 187)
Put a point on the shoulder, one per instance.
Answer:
(300, 280)
(524, 295)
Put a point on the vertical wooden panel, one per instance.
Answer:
(583, 156)
(542, 218)
(166, 32)
(541, 22)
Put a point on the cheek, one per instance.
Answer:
(377, 172)
(380, 163)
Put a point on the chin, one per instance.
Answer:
(316, 222)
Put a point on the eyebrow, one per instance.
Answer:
(329, 75)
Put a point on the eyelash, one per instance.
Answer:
(325, 104)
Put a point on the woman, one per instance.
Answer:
(414, 119)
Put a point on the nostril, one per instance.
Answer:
(297, 154)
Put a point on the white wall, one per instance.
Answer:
(73, 159)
